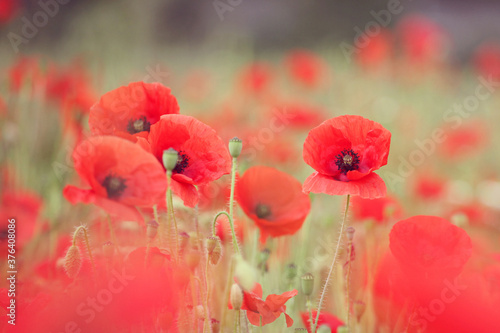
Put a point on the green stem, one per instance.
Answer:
(112, 231)
(207, 312)
(170, 210)
(337, 248)
(348, 279)
(233, 234)
(260, 324)
(231, 205)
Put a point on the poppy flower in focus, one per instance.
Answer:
(430, 246)
(273, 200)
(487, 60)
(325, 319)
(345, 151)
(269, 310)
(203, 156)
(121, 175)
(379, 209)
(131, 109)
(306, 67)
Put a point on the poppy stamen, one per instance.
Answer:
(347, 161)
(262, 211)
(182, 162)
(114, 186)
(138, 125)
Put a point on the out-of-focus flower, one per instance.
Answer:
(23, 70)
(273, 200)
(203, 156)
(121, 176)
(430, 247)
(256, 78)
(467, 140)
(325, 319)
(376, 209)
(345, 151)
(429, 187)
(376, 52)
(486, 60)
(306, 67)
(131, 110)
(423, 41)
(8, 9)
(269, 310)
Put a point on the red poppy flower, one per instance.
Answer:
(306, 67)
(8, 9)
(23, 69)
(131, 109)
(325, 319)
(121, 175)
(376, 52)
(430, 246)
(269, 310)
(465, 141)
(273, 200)
(203, 156)
(256, 78)
(487, 60)
(429, 187)
(24, 207)
(376, 209)
(345, 151)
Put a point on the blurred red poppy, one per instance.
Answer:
(121, 175)
(24, 69)
(345, 151)
(131, 109)
(376, 52)
(8, 9)
(379, 209)
(325, 319)
(486, 60)
(273, 200)
(269, 310)
(306, 67)
(203, 156)
(467, 140)
(256, 77)
(429, 187)
(430, 247)
(423, 40)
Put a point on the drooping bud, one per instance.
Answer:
(170, 157)
(350, 233)
(211, 243)
(215, 325)
(307, 282)
(359, 308)
(216, 254)
(73, 261)
(291, 271)
(108, 250)
(235, 146)
(236, 296)
(152, 229)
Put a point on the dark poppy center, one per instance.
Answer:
(4, 234)
(182, 162)
(114, 186)
(138, 125)
(347, 161)
(262, 211)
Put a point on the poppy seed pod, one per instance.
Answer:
(73, 261)
(235, 146)
(307, 282)
(170, 157)
(291, 271)
(236, 296)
